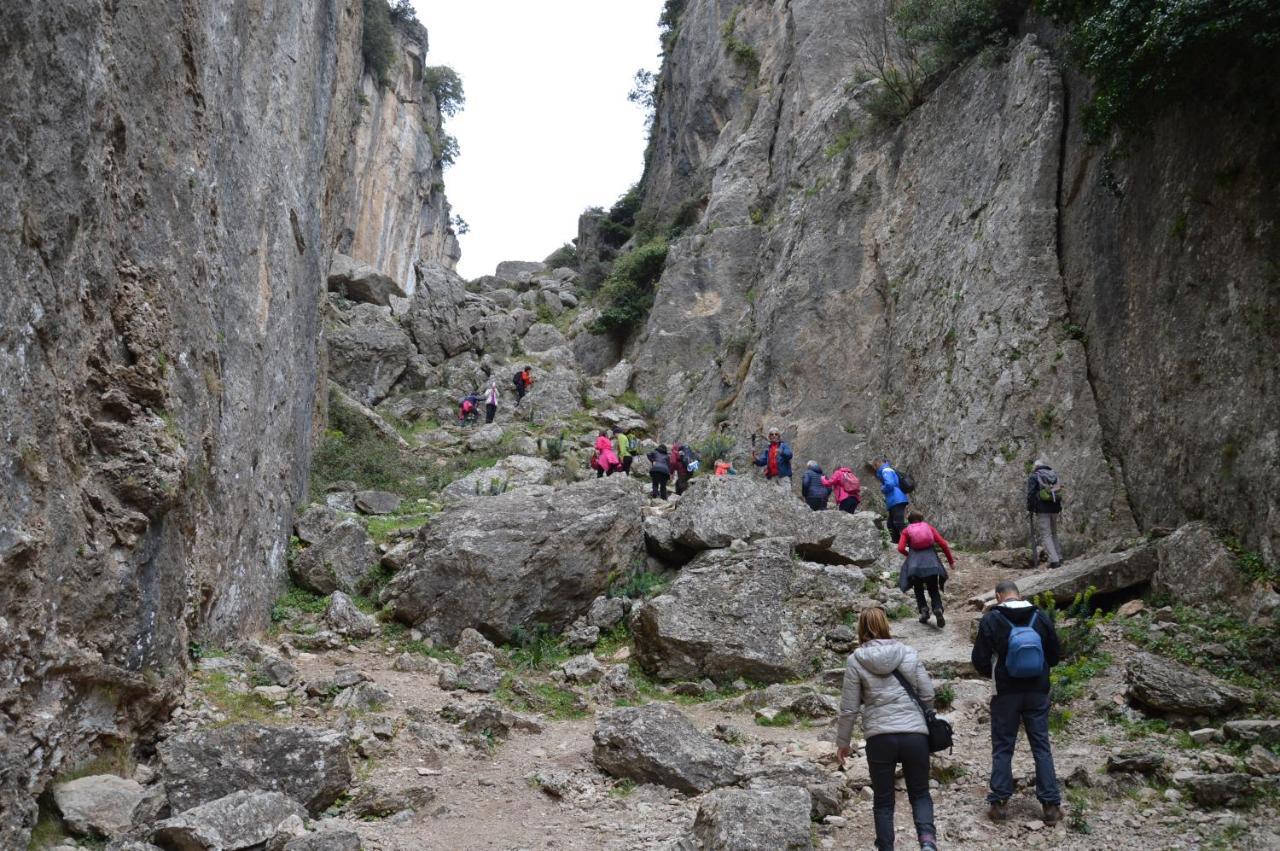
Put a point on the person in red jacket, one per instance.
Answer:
(922, 568)
(846, 487)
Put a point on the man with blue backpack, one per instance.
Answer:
(1017, 645)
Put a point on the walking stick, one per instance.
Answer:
(1035, 541)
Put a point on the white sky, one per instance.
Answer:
(547, 130)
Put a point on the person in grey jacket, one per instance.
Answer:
(892, 723)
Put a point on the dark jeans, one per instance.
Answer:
(849, 504)
(626, 465)
(520, 391)
(918, 584)
(884, 752)
(817, 503)
(897, 521)
(1032, 709)
(659, 481)
(489, 411)
(682, 481)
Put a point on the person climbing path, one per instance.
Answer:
(624, 449)
(1044, 504)
(846, 487)
(776, 460)
(814, 487)
(523, 380)
(659, 471)
(922, 568)
(606, 460)
(895, 496)
(491, 401)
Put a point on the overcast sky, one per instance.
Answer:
(547, 130)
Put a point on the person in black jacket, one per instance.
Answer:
(659, 471)
(1044, 502)
(812, 489)
(1018, 699)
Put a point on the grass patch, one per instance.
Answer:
(622, 788)
(297, 601)
(645, 407)
(901, 611)
(382, 528)
(549, 699)
(944, 697)
(220, 691)
(785, 718)
(613, 641)
(639, 586)
(537, 649)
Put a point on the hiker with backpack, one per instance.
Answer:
(522, 380)
(813, 487)
(624, 449)
(922, 568)
(724, 467)
(885, 683)
(605, 459)
(467, 412)
(659, 471)
(684, 463)
(491, 401)
(776, 460)
(895, 489)
(1017, 645)
(1044, 503)
(847, 489)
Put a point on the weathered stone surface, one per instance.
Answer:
(338, 562)
(656, 744)
(1135, 763)
(755, 612)
(1108, 572)
(362, 697)
(368, 350)
(478, 673)
(518, 559)
(361, 282)
(1217, 790)
(1262, 730)
(435, 317)
(774, 817)
(1194, 566)
(315, 523)
(329, 840)
(242, 819)
(716, 510)
(583, 670)
(101, 804)
(484, 438)
(518, 271)
(1167, 686)
(344, 618)
(618, 379)
(607, 612)
(377, 502)
(374, 801)
(310, 766)
(471, 641)
(836, 537)
(827, 791)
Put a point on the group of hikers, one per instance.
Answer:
(469, 405)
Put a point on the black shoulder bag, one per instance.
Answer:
(940, 733)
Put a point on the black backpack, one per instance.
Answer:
(518, 380)
(906, 483)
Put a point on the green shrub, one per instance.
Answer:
(377, 41)
(639, 586)
(716, 447)
(446, 87)
(566, 256)
(620, 222)
(627, 294)
(950, 31)
(743, 53)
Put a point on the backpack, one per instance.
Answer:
(518, 380)
(852, 487)
(1049, 486)
(689, 457)
(1025, 656)
(467, 406)
(906, 483)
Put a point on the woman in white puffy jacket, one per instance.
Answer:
(892, 722)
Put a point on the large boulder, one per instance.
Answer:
(310, 766)
(657, 744)
(533, 557)
(435, 317)
(244, 819)
(1107, 573)
(1166, 686)
(100, 804)
(377, 502)
(361, 282)
(514, 471)
(755, 612)
(337, 562)
(342, 616)
(773, 817)
(329, 840)
(836, 537)
(1194, 566)
(716, 510)
(827, 791)
(368, 350)
(518, 271)
(315, 523)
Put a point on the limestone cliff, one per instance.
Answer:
(960, 291)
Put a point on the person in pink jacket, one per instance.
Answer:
(606, 461)
(922, 568)
(846, 489)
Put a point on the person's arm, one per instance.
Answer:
(1052, 648)
(763, 458)
(923, 683)
(981, 656)
(1033, 495)
(826, 483)
(902, 544)
(850, 705)
(784, 451)
(942, 542)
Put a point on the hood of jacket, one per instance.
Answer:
(881, 656)
(1017, 611)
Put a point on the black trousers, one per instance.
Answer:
(897, 521)
(849, 504)
(884, 752)
(659, 481)
(682, 481)
(626, 465)
(489, 411)
(817, 503)
(918, 584)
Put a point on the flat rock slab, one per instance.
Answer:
(1108, 572)
(944, 652)
(657, 744)
(1167, 686)
(377, 502)
(239, 820)
(101, 804)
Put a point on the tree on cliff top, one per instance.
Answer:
(377, 41)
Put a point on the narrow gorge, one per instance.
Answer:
(266, 588)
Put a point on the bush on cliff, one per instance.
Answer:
(627, 294)
(377, 41)
(446, 87)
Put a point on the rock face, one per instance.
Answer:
(750, 819)
(510, 473)
(368, 350)
(1167, 686)
(361, 282)
(310, 767)
(519, 559)
(656, 744)
(756, 613)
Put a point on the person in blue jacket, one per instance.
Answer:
(894, 499)
(776, 460)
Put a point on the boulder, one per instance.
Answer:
(581, 635)
(716, 510)
(1217, 790)
(471, 641)
(1167, 686)
(361, 282)
(379, 802)
(582, 670)
(606, 613)
(775, 817)
(837, 537)
(827, 791)
(435, 317)
(315, 523)
(551, 300)
(657, 744)
(385, 430)
(344, 618)
(486, 717)
(542, 337)
(478, 673)
(519, 559)
(101, 804)
(377, 502)
(397, 556)
(310, 766)
(362, 697)
(518, 271)
(337, 562)
(1142, 762)
(618, 379)
(329, 840)
(754, 612)
(368, 350)
(514, 471)
(1194, 567)
(1107, 573)
(244, 819)
(484, 438)
(1262, 730)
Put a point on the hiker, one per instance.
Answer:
(606, 460)
(659, 471)
(724, 467)
(1044, 503)
(467, 408)
(847, 489)
(624, 449)
(1017, 645)
(876, 680)
(813, 487)
(895, 500)
(684, 463)
(491, 401)
(922, 568)
(776, 460)
(522, 380)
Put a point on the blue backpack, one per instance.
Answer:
(1025, 656)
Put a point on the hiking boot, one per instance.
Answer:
(1052, 814)
(924, 615)
(937, 613)
(928, 843)
(999, 811)
(1054, 565)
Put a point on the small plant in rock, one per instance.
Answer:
(944, 697)
(639, 586)
(901, 611)
(1078, 811)
(554, 447)
(622, 788)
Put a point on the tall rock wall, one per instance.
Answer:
(932, 291)
(174, 178)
